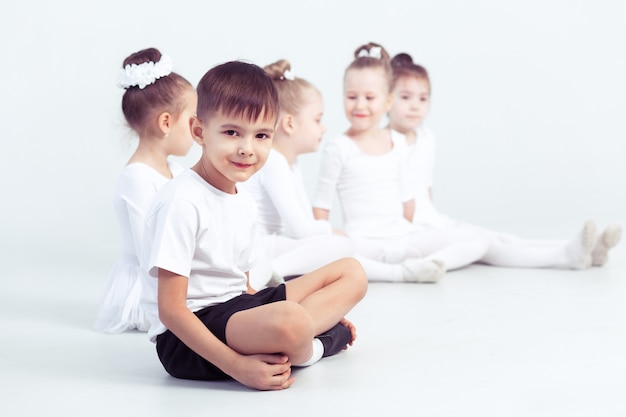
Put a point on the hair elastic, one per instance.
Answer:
(288, 75)
(144, 74)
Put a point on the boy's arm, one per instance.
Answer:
(263, 371)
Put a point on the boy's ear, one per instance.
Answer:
(165, 122)
(287, 123)
(197, 130)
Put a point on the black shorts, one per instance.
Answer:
(182, 362)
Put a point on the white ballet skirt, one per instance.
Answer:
(119, 307)
(120, 303)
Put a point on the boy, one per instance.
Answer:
(207, 322)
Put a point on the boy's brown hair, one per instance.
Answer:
(238, 89)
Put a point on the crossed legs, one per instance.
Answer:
(315, 302)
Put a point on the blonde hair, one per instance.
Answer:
(290, 89)
(372, 55)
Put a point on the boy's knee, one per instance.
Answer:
(358, 277)
(294, 325)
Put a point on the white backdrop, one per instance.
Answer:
(529, 102)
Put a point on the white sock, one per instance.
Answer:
(579, 249)
(275, 280)
(318, 351)
(422, 270)
(607, 240)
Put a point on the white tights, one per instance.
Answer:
(456, 248)
(460, 244)
(288, 257)
(511, 251)
(381, 258)
(456, 245)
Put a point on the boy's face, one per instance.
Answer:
(233, 148)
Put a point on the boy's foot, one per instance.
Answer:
(422, 270)
(335, 339)
(607, 240)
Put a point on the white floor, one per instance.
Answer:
(483, 342)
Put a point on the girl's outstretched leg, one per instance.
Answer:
(579, 249)
(607, 240)
(422, 270)
(508, 251)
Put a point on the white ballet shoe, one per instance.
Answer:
(579, 249)
(422, 270)
(607, 240)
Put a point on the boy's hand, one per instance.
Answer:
(264, 372)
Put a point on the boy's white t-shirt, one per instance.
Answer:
(197, 231)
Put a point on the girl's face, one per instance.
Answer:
(180, 139)
(366, 98)
(308, 122)
(411, 102)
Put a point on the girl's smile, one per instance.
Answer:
(241, 165)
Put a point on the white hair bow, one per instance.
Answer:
(144, 74)
(288, 75)
(374, 52)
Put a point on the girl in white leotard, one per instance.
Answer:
(157, 105)
(366, 167)
(411, 100)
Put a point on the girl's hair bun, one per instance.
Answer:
(143, 56)
(371, 50)
(402, 60)
(276, 71)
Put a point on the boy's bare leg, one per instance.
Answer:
(330, 292)
(315, 303)
(282, 327)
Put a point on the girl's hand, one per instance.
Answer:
(339, 232)
(264, 372)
